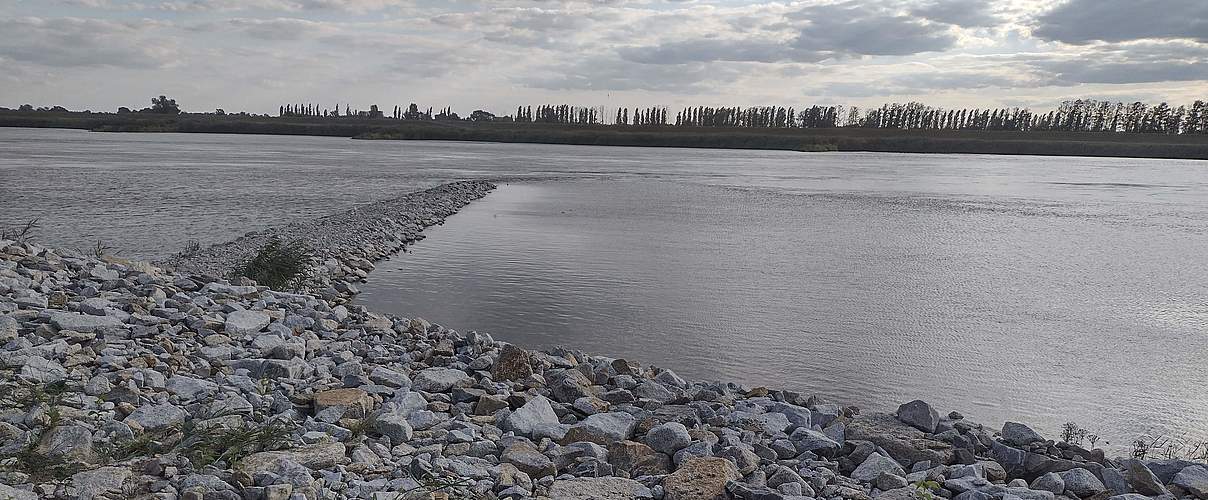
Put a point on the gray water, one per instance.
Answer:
(1028, 288)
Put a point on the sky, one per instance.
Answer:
(254, 55)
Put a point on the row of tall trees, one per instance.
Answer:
(1082, 115)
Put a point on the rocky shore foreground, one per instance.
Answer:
(128, 380)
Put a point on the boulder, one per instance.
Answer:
(602, 428)
(700, 479)
(668, 438)
(905, 444)
(1049, 482)
(245, 322)
(1194, 480)
(513, 363)
(189, 388)
(1017, 434)
(436, 380)
(920, 415)
(874, 466)
(529, 418)
(66, 442)
(1141, 479)
(105, 482)
(1082, 483)
(598, 488)
(528, 460)
(355, 402)
(84, 323)
(814, 441)
(155, 417)
(394, 426)
(314, 457)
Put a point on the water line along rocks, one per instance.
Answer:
(344, 245)
(123, 380)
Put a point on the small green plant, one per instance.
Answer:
(207, 445)
(20, 232)
(925, 489)
(192, 247)
(452, 487)
(100, 249)
(277, 265)
(1145, 446)
(1073, 434)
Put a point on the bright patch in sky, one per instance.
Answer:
(254, 55)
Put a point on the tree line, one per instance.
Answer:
(1081, 115)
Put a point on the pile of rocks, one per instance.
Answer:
(344, 245)
(126, 381)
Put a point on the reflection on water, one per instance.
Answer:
(1041, 311)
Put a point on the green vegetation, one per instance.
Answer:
(20, 232)
(1033, 142)
(277, 265)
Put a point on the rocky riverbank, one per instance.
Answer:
(344, 245)
(126, 380)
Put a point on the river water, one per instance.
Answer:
(1029, 288)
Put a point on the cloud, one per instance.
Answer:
(74, 42)
(606, 73)
(854, 28)
(280, 28)
(963, 13)
(1086, 21)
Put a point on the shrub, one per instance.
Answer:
(277, 265)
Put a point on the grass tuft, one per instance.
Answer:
(277, 265)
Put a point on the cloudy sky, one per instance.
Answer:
(496, 54)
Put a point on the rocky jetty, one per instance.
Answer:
(124, 380)
(344, 245)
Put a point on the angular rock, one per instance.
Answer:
(526, 458)
(874, 466)
(1082, 483)
(435, 380)
(668, 438)
(513, 363)
(1017, 434)
(598, 488)
(1049, 482)
(602, 428)
(700, 479)
(84, 323)
(905, 444)
(1194, 480)
(246, 322)
(920, 415)
(529, 418)
(66, 442)
(1141, 479)
(105, 482)
(314, 457)
(156, 417)
(356, 402)
(189, 388)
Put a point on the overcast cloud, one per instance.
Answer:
(497, 54)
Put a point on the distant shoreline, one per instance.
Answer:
(1089, 144)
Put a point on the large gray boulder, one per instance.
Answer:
(1141, 479)
(602, 428)
(920, 415)
(532, 416)
(813, 441)
(874, 466)
(245, 322)
(1049, 482)
(156, 417)
(599, 488)
(440, 380)
(84, 323)
(1193, 479)
(1082, 483)
(1017, 434)
(905, 444)
(668, 438)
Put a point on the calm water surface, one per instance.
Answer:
(1033, 288)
